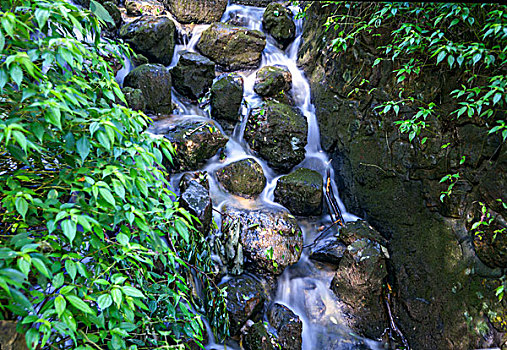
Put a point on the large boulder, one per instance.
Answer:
(151, 36)
(195, 197)
(278, 133)
(289, 327)
(154, 80)
(193, 75)
(244, 300)
(196, 139)
(358, 282)
(300, 192)
(144, 7)
(274, 82)
(277, 21)
(244, 178)
(271, 239)
(226, 97)
(196, 11)
(232, 47)
(135, 98)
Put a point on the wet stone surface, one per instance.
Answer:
(193, 75)
(244, 178)
(226, 97)
(195, 197)
(196, 11)
(288, 327)
(277, 20)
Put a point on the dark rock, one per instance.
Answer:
(197, 139)
(135, 98)
(277, 20)
(232, 47)
(328, 250)
(358, 282)
(300, 192)
(115, 14)
(195, 197)
(193, 75)
(277, 132)
(244, 178)
(196, 11)
(144, 7)
(245, 299)
(258, 338)
(360, 229)
(271, 239)
(10, 339)
(274, 82)
(226, 97)
(154, 80)
(289, 327)
(151, 36)
(258, 3)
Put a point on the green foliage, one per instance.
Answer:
(86, 207)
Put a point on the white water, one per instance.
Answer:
(303, 287)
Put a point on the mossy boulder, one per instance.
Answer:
(271, 238)
(300, 192)
(226, 97)
(274, 82)
(196, 11)
(232, 47)
(196, 139)
(144, 7)
(151, 36)
(154, 80)
(193, 75)
(195, 197)
(244, 178)
(277, 21)
(278, 133)
(289, 327)
(245, 300)
(135, 98)
(257, 337)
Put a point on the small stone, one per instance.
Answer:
(244, 178)
(274, 82)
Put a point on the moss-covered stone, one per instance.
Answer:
(152, 37)
(232, 47)
(195, 197)
(196, 11)
(257, 337)
(135, 98)
(288, 327)
(244, 178)
(154, 80)
(277, 20)
(274, 82)
(144, 7)
(300, 192)
(226, 97)
(278, 133)
(193, 75)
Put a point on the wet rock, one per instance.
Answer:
(196, 139)
(277, 132)
(195, 197)
(300, 192)
(10, 339)
(135, 98)
(360, 229)
(274, 82)
(358, 282)
(232, 47)
(245, 299)
(328, 250)
(289, 327)
(196, 11)
(144, 7)
(277, 21)
(258, 3)
(226, 97)
(271, 238)
(193, 75)
(227, 245)
(154, 80)
(244, 178)
(258, 338)
(151, 36)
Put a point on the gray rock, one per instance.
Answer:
(300, 192)
(277, 21)
(271, 239)
(232, 47)
(244, 178)
(278, 133)
(226, 97)
(154, 80)
(151, 36)
(193, 75)
(195, 197)
(196, 11)
(274, 82)
(289, 327)
(329, 250)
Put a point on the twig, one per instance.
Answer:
(393, 325)
(332, 201)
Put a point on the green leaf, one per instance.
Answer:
(42, 16)
(496, 98)
(2, 41)
(58, 280)
(53, 116)
(450, 60)
(79, 304)
(104, 301)
(441, 56)
(32, 338)
(21, 206)
(182, 230)
(60, 305)
(17, 75)
(69, 229)
(101, 12)
(133, 292)
(122, 239)
(71, 268)
(39, 265)
(117, 296)
(83, 147)
(104, 192)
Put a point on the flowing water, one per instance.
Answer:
(303, 287)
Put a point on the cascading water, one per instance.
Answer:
(303, 287)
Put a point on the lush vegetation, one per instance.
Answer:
(94, 251)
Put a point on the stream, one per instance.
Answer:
(305, 286)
